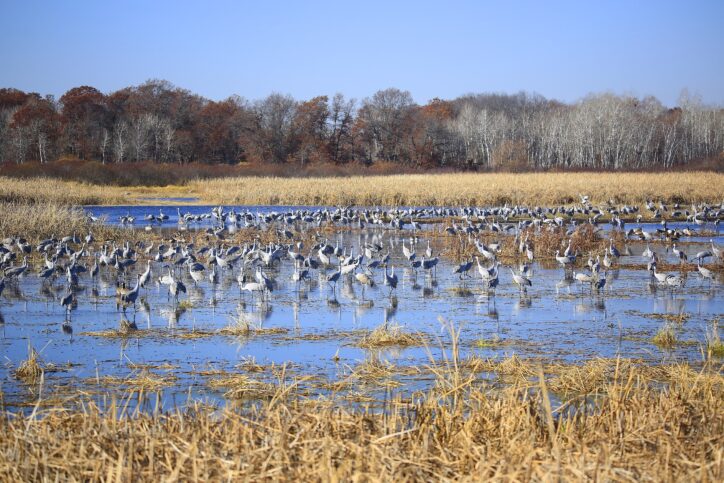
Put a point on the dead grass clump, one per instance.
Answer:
(143, 379)
(666, 337)
(126, 327)
(30, 370)
(714, 344)
(387, 335)
(674, 318)
(490, 343)
(243, 329)
(240, 386)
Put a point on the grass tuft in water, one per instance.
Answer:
(30, 370)
(665, 337)
(714, 344)
(391, 335)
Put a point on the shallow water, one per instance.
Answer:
(555, 320)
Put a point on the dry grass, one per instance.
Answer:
(411, 189)
(665, 337)
(464, 189)
(53, 191)
(30, 370)
(143, 379)
(35, 221)
(714, 344)
(639, 431)
(387, 335)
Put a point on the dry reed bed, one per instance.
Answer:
(466, 189)
(650, 424)
(49, 190)
(393, 190)
(38, 221)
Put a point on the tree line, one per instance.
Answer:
(159, 122)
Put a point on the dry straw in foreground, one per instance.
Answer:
(640, 430)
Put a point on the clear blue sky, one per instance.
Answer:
(560, 49)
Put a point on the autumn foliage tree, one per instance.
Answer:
(161, 123)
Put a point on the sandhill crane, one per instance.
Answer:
(612, 249)
(391, 279)
(365, 280)
(146, 275)
(299, 274)
(584, 278)
(46, 273)
(323, 258)
(333, 278)
(715, 250)
(176, 287)
(409, 254)
(72, 277)
(66, 302)
(131, 296)
(522, 282)
(700, 256)
(674, 281)
(678, 253)
(253, 288)
(213, 275)
(648, 253)
(428, 250)
(660, 277)
(14, 272)
(196, 270)
(261, 277)
(567, 251)
(463, 268)
(430, 264)
(565, 260)
(705, 272)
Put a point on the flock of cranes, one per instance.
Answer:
(256, 266)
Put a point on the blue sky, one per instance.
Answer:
(560, 49)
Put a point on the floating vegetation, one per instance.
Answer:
(666, 337)
(714, 344)
(30, 370)
(185, 305)
(126, 327)
(247, 330)
(491, 343)
(240, 386)
(143, 379)
(675, 318)
(387, 335)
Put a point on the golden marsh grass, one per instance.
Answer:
(649, 424)
(392, 190)
(465, 189)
